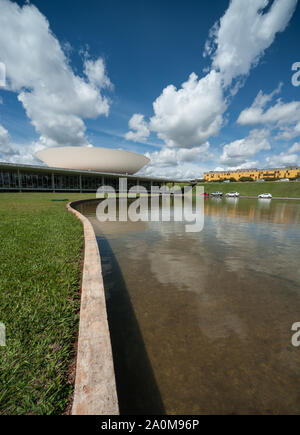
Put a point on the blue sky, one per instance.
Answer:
(122, 56)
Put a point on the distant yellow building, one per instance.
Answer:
(291, 172)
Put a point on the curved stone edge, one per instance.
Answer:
(95, 385)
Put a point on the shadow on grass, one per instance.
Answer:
(138, 392)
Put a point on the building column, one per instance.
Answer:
(53, 182)
(80, 183)
(19, 180)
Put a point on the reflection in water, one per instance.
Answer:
(137, 389)
(201, 322)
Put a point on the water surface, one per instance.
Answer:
(201, 322)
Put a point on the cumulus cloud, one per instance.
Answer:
(11, 152)
(95, 72)
(182, 163)
(179, 172)
(295, 148)
(186, 117)
(288, 158)
(172, 156)
(281, 113)
(54, 98)
(195, 154)
(247, 165)
(244, 33)
(282, 116)
(282, 160)
(288, 133)
(141, 131)
(238, 152)
(163, 158)
(4, 139)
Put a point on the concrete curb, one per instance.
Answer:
(95, 384)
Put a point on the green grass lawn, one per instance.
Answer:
(291, 189)
(40, 256)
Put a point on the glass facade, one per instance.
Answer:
(35, 181)
(66, 182)
(19, 179)
(9, 179)
(91, 183)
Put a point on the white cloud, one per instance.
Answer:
(182, 172)
(172, 156)
(288, 133)
(194, 154)
(12, 153)
(282, 116)
(184, 117)
(247, 165)
(282, 160)
(244, 33)
(141, 131)
(4, 139)
(262, 99)
(163, 158)
(295, 148)
(95, 72)
(55, 99)
(237, 153)
(288, 158)
(188, 116)
(181, 163)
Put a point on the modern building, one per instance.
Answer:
(27, 178)
(291, 172)
(93, 159)
(78, 169)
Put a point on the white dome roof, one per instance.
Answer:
(93, 159)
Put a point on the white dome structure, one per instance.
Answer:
(93, 159)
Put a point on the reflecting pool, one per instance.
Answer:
(201, 322)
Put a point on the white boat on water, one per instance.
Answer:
(217, 194)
